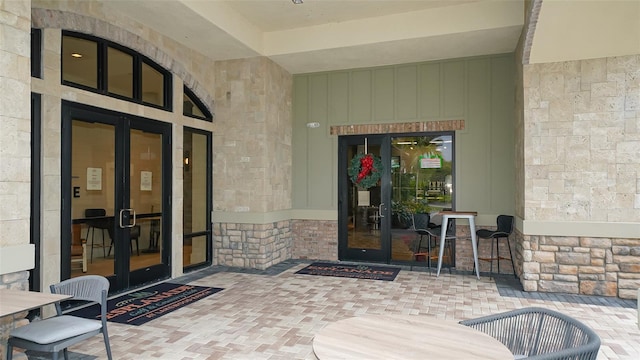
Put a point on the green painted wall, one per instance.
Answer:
(479, 90)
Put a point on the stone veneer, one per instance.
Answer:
(252, 141)
(581, 145)
(255, 246)
(15, 155)
(315, 239)
(582, 265)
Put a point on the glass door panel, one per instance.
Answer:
(197, 204)
(117, 184)
(365, 228)
(422, 182)
(92, 202)
(145, 191)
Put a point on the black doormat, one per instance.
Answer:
(38, 355)
(138, 307)
(351, 271)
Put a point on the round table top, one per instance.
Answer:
(405, 337)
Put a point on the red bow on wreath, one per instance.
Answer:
(366, 165)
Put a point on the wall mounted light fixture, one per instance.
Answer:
(187, 160)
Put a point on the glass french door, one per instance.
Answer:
(376, 224)
(116, 186)
(363, 212)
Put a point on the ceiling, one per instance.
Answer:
(324, 35)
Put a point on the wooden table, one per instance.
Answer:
(15, 301)
(405, 337)
(469, 215)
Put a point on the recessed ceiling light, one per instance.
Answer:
(76, 55)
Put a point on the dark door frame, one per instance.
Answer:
(386, 187)
(123, 279)
(344, 253)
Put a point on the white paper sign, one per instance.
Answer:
(364, 198)
(146, 180)
(94, 178)
(430, 163)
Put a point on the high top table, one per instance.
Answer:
(469, 215)
(405, 337)
(15, 301)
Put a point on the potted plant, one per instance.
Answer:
(419, 207)
(401, 215)
(420, 211)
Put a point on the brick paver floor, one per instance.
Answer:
(274, 314)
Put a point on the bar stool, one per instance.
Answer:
(503, 230)
(100, 223)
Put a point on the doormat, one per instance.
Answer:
(351, 271)
(38, 355)
(138, 307)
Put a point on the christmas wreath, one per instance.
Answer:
(365, 170)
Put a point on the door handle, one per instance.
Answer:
(121, 218)
(380, 213)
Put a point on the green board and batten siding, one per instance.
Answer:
(479, 90)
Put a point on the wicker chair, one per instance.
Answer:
(538, 333)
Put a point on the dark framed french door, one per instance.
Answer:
(417, 174)
(363, 214)
(116, 187)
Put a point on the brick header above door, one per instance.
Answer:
(427, 126)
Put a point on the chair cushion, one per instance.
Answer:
(54, 329)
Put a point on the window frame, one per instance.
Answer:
(102, 64)
(208, 116)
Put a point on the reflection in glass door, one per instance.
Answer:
(115, 195)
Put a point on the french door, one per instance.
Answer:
(376, 223)
(363, 212)
(115, 196)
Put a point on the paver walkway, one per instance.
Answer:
(274, 314)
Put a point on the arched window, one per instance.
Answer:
(193, 107)
(107, 68)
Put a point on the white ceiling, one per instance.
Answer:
(322, 35)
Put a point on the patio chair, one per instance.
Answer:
(540, 334)
(423, 226)
(57, 333)
(503, 230)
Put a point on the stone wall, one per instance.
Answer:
(15, 154)
(315, 239)
(582, 140)
(252, 141)
(582, 265)
(254, 246)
